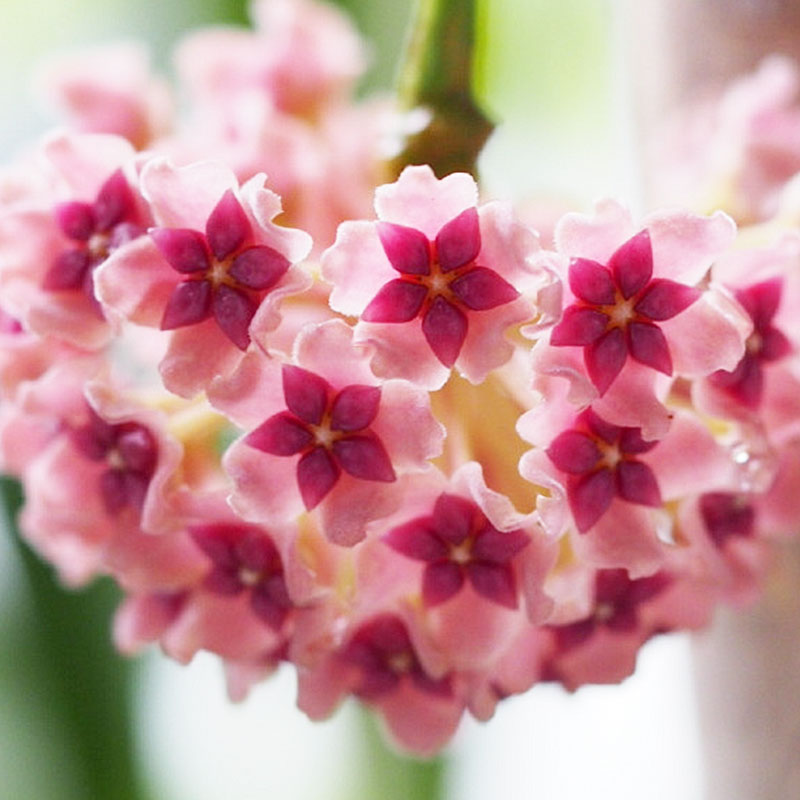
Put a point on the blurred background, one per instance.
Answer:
(77, 722)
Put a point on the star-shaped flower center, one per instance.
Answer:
(440, 282)
(459, 544)
(227, 276)
(601, 463)
(616, 310)
(329, 430)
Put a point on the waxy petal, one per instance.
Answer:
(445, 328)
(418, 540)
(227, 228)
(453, 516)
(498, 547)
(281, 435)
(589, 497)
(495, 582)
(259, 267)
(364, 456)
(574, 452)
(137, 448)
(270, 602)
(637, 484)
(605, 358)
(761, 301)
(407, 249)
(306, 393)
(441, 581)
(664, 299)
(234, 311)
(75, 219)
(68, 271)
(459, 241)
(726, 514)
(355, 407)
(631, 441)
(648, 345)
(114, 202)
(774, 345)
(189, 303)
(184, 249)
(317, 474)
(397, 301)
(481, 288)
(591, 282)
(745, 384)
(579, 326)
(632, 264)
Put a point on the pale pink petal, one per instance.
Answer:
(594, 237)
(418, 199)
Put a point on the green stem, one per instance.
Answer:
(384, 774)
(73, 669)
(437, 75)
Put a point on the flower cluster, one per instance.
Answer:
(408, 451)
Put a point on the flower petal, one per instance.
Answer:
(589, 497)
(306, 393)
(632, 264)
(259, 267)
(184, 249)
(234, 310)
(574, 452)
(591, 282)
(407, 249)
(67, 271)
(281, 435)
(189, 303)
(227, 228)
(114, 202)
(417, 539)
(459, 241)
(579, 326)
(637, 484)
(481, 288)
(397, 301)
(494, 582)
(355, 407)
(441, 581)
(498, 547)
(452, 517)
(75, 219)
(663, 299)
(648, 345)
(445, 328)
(317, 474)
(605, 358)
(364, 456)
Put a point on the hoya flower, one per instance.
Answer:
(51, 248)
(214, 269)
(324, 434)
(220, 64)
(436, 281)
(380, 661)
(109, 89)
(635, 316)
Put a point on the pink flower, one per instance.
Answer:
(459, 544)
(50, 252)
(109, 89)
(214, 270)
(437, 281)
(302, 56)
(349, 436)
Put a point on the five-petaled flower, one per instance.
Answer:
(226, 274)
(245, 559)
(459, 543)
(441, 283)
(616, 310)
(95, 229)
(329, 430)
(601, 463)
(745, 383)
